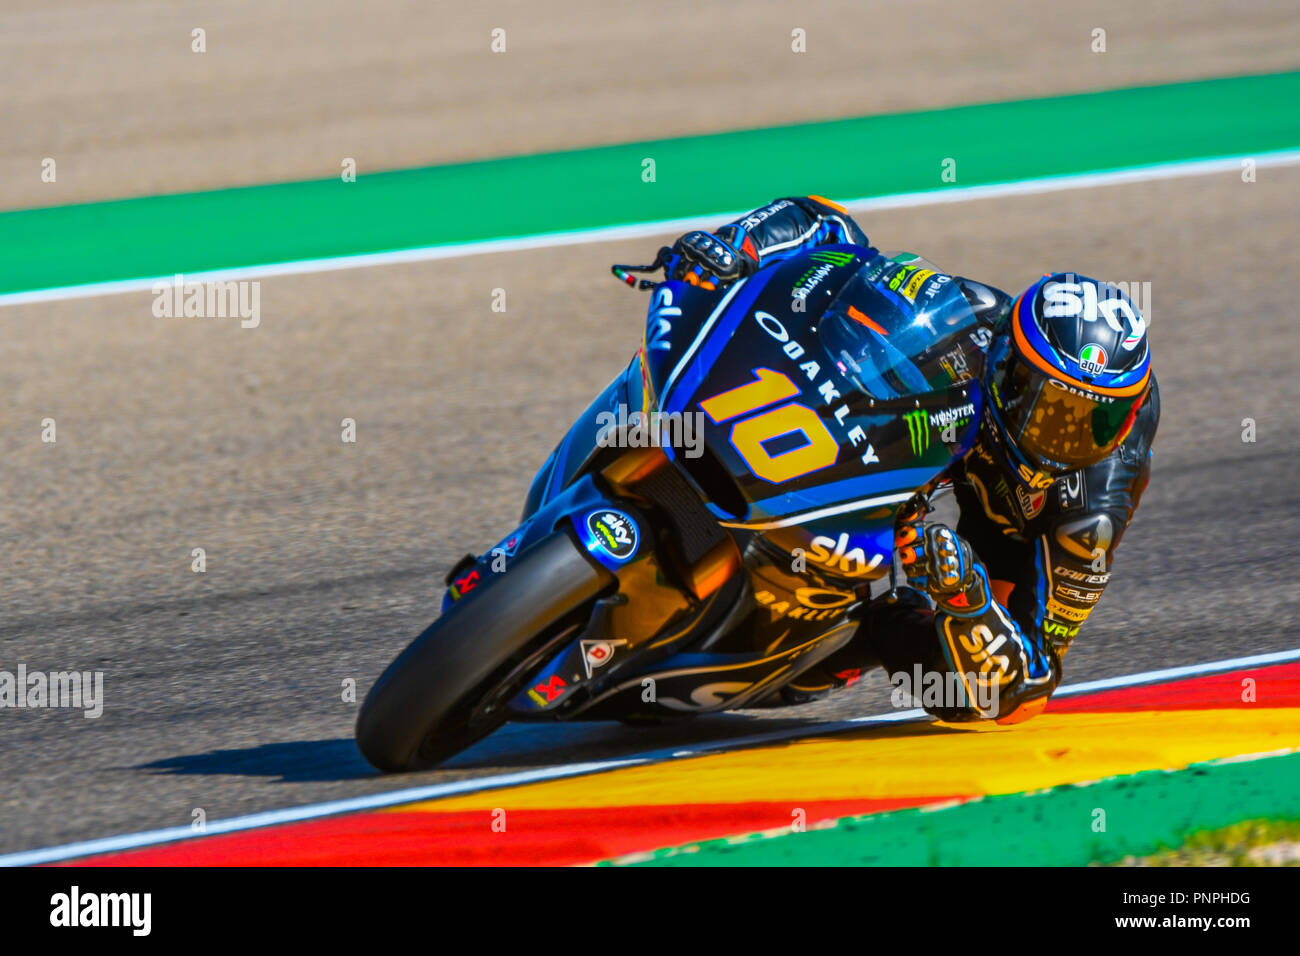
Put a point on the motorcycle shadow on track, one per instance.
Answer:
(514, 747)
(298, 761)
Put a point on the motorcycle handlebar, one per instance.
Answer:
(624, 272)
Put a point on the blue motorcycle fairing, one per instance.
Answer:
(801, 324)
(578, 498)
(814, 537)
(583, 436)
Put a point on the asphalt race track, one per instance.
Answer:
(224, 689)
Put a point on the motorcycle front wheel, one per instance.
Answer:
(449, 688)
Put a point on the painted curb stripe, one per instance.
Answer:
(530, 838)
(759, 775)
(1277, 686)
(1143, 813)
(288, 815)
(1161, 809)
(532, 198)
(923, 759)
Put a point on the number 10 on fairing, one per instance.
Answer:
(749, 436)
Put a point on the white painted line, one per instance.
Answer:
(268, 818)
(1173, 673)
(1113, 177)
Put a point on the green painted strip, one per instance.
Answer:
(553, 192)
(1143, 813)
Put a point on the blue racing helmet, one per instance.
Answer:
(1067, 379)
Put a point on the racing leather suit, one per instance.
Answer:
(1040, 559)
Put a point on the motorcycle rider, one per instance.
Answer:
(1055, 475)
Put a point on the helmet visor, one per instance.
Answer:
(1062, 426)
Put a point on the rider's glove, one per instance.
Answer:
(710, 260)
(935, 559)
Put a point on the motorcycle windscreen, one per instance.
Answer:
(899, 330)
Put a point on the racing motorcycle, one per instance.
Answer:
(707, 529)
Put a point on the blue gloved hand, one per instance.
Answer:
(709, 260)
(934, 558)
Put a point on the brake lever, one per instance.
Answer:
(624, 272)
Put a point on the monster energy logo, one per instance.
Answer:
(918, 430)
(834, 258)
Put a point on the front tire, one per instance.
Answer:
(449, 687)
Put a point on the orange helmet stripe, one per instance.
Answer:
(1031, 355)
